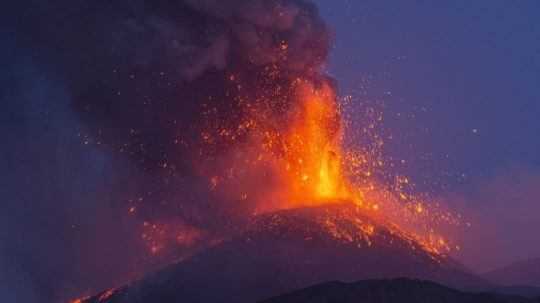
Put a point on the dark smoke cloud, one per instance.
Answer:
(106, 104)
(150, 77)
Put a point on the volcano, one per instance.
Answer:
(291, 249)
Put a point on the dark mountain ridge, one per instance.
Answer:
(521, 273)
(292, 249)
(391, 291)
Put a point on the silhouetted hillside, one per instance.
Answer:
(519, 290)
(526, 272)
(390, 291)
(292, 249)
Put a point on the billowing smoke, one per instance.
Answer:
(148, 82)
(152, 78)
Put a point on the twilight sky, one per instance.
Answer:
(460, 84)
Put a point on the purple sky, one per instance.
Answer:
(459, 81)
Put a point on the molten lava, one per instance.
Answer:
(312, 157)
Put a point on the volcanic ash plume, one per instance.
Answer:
(207, 97)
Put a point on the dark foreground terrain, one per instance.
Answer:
(391, 291)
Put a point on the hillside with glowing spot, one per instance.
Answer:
(292, 249)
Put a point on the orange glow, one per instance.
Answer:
(285, 154)
(293, 156)
(313, 169)
(311, 162)
(80, 300)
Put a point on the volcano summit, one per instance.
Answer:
(292, 249)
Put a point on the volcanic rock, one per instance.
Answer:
(291, 249)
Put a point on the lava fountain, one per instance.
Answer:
(309, 161)
(299, 160)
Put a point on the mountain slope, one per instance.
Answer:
(390, 291)
(526, 272)
(292, 249)
(517, 290)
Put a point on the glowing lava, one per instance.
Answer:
(312, 159)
